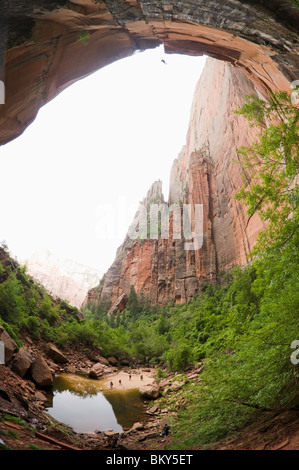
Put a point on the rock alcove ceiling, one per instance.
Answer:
(41, 52)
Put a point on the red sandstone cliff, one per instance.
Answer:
(42, 50)
(204, 173)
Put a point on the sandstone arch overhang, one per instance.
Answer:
(43, 51)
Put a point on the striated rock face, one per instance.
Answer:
(206, 171)
(63, 278)
(119, 305)
(22, 362)
(55, 354)
(206, 174)
(46, 45)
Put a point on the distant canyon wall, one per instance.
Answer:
(205, 172)
(63, 278)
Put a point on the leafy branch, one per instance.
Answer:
(273, 165)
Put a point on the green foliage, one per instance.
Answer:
(96, 311)
(26, 307)
(47, 311)
(12, 302)
(241, 329)
(270, 166)
(132, 304)
(75, 333)
(180, 356)
(247, 353)
(1, 273)
(251, 322)
(84, 37)
(160, 375)
(33, 326)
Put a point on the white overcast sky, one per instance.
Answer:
(96, 147)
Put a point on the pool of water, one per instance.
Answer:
(86, 406)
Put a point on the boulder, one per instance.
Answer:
(111, 434)
(150, 391)
(9, 344)
(164, 383)
(22, 362)
(136, 427)
(103, 360)
(124, 362)
(112, 360)
(40, 396)
(55, 354)
(153, 410)
(96, 371)
(119, 305)
(112, 437)
(41, 373)
(175, 386)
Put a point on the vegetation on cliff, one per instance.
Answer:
(241, 329)
(249, 365)
(271, 168)
(26, 308)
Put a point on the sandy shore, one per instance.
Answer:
(126, 380)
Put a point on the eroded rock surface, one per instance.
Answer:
(205, 173)
(22, 362)
(41, 373)
(150, 391)
(55, 354)
(47, 45)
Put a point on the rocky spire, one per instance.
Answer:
(205, 173)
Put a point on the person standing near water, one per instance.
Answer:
(165, 430)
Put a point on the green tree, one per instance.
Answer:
(270, 166)
(133, 304)
(2, 273)
(162, 326)
(12, 300)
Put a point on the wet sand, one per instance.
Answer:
(126, 382)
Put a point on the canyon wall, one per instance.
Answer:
(63, 278)
(206, 172)
(46, 45)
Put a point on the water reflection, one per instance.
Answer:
(85, 405)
